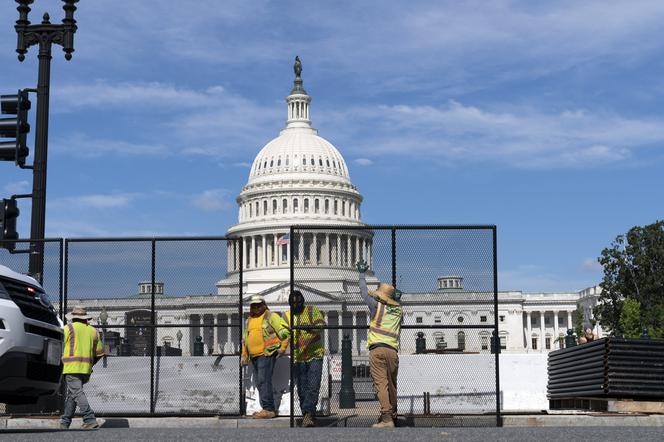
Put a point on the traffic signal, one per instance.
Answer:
(8, 214)
(16, 128)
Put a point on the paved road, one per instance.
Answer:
(640, 434)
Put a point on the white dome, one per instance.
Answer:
(298, 150)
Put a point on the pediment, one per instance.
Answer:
(278, 295)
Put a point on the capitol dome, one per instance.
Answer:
(298, 178)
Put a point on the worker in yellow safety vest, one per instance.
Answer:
(383, 343)
(308, 352)
(82, 349)
(262, 343)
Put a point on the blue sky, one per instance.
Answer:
(544, 118)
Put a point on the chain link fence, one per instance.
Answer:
(448, 371)
(171, 312)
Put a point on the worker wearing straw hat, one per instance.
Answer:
(383, 343)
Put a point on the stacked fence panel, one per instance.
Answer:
(608, 368)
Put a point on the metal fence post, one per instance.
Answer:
(292, 330)
(240, 325)
(499, 419)
(394, 257)
(63, 299)
(153, 328)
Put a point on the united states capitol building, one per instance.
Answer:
(301, 178)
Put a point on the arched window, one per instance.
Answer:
(461, 340)
(328, 162)
(287, 160)
(279, 162)
(256, 211)
(313, 163)
(316, 205)
(343, 208)
(306, 205)
(272, 162)
(265, 165)
(304, 161)
(274, 207)
(251, 211)
(320, 162)
(336, 207)
(284, 206)
(296, 205)
(264, 207)
(327, 206)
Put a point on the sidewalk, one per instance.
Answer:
(557, 420)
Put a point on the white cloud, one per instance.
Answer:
(83, 146)
(591, 265)
(524, 137)
(213, 200)
(98, 201)
(363, 161)
(17, 187)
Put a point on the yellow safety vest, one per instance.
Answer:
(385, 326)
(274, 331)
(309, 343)
(81, 348)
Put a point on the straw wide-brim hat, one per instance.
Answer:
(79, 312)
(256, 299)
(385, 294)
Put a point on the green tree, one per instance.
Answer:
(634, 269)
(630, 318)
(577, 320)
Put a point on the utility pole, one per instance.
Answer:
(45, 35)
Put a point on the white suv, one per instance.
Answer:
(30, 340)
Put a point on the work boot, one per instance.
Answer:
(385, 422)
(64, 426)
(90, 425)
(265, 414)
(308, 420)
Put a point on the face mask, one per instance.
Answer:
(298, 304)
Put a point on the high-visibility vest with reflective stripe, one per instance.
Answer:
(81, 348)
(274, 331)
(309, 343)
(385, 326)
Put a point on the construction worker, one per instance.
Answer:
(383, 343)
(262, 343)
(82, 349)
(308, 352)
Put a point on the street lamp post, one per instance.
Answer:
(45, 35)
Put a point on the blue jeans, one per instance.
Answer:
(263, 369)
(75, 395)
(308, 376)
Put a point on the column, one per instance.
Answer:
(529, 332)
(569, 320)
(253, 252)
(555, 326)
(277, 257)
(326, 255)
(338, 261)
(357, 250)
(288, 250)
(264, 251)
(369, 255)
(300, 247)
(314, 255)
(348, 247)
(541, 340)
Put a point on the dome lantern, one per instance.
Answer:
(298, 101)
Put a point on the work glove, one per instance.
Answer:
(361, 266)
(243, 361)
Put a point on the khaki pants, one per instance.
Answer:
(384, 364)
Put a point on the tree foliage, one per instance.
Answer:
(630, 318)
(634, 269)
